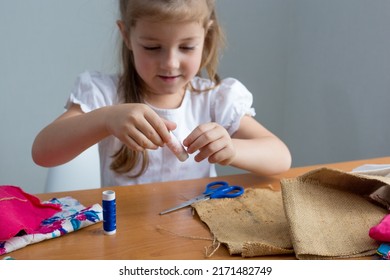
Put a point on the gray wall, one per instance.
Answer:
(337, 80)
(319, 71)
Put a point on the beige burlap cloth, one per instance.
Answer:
(253, 224)
(322, 214)
(329, 213)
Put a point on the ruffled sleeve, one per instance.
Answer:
(93, 90)
(232, 101)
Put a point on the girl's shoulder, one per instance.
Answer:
(228, 101)
(93, 90)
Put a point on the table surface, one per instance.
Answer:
(139, 235)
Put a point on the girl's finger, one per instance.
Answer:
(201, 137)
(160, 128)
(210, 150)
(139, 140)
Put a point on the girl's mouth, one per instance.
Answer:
(168, 78)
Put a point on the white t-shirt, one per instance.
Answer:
(225, 105)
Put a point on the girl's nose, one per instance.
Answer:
(170, 60)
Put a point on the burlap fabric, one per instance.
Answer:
(329, 213)
(253, 224)
(322, 214)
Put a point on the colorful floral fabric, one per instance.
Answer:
(73, 216)
(384, 251)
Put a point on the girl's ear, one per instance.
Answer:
(125, 35)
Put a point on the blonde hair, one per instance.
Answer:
(131, 87)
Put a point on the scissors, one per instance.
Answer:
(217, 189)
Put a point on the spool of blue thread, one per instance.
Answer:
(109, 212)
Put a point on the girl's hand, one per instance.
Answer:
(138, 126)
(213, 142)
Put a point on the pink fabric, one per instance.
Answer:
(381, 232)
(20, 211)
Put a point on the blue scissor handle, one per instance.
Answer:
(214, 186)
(221, 189)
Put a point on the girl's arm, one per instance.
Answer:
(136, 125)
(252, 147)
(68, 136)
(258, 150)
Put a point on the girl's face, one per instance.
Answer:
(166, 56)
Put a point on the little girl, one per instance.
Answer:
(166, 46)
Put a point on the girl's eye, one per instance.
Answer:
(187, 48)
(151, 48)
(155, 48)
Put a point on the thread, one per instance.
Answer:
(109, 212)
(214, 247)
(209, 250)
(13, 197)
